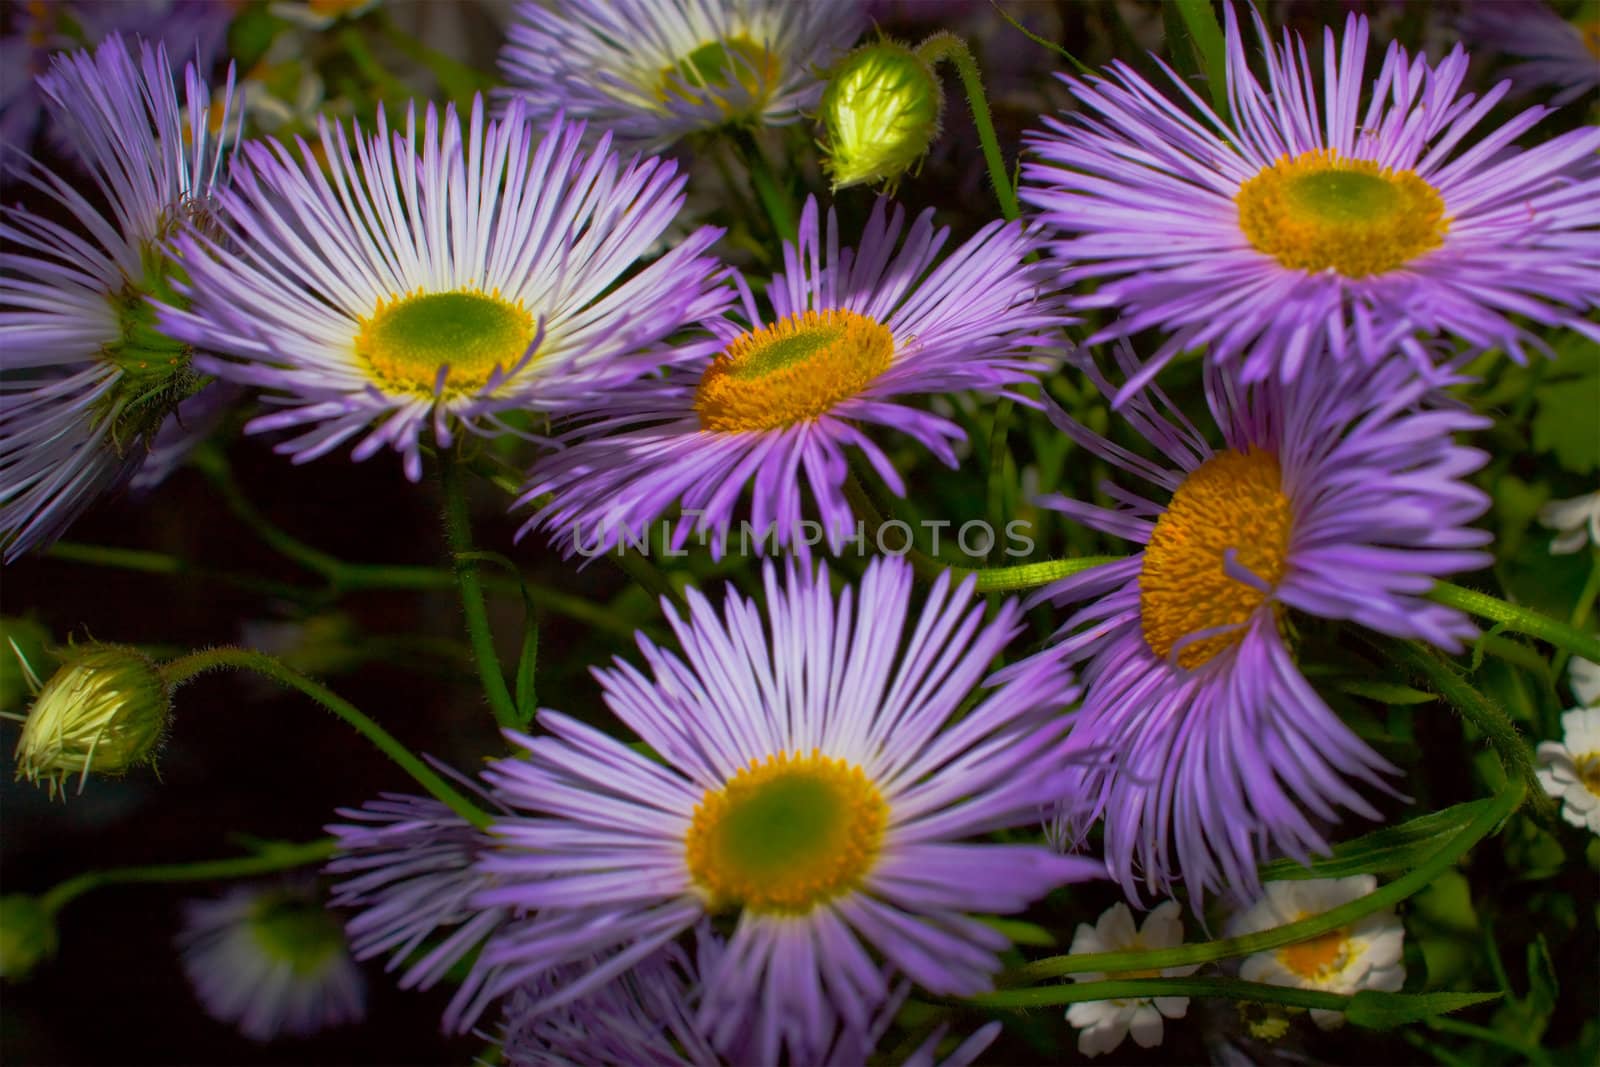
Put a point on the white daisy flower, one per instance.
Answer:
(1102, 1024)
(1578, 519)
(1364, 955)
(1584, 678)
(1570, 770)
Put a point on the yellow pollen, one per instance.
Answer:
(1234, 500)
(1319, 212)
(1318, 956)
(405, 341)
(1588, 768)
(736, 74)
(795, 369)
(786, 834)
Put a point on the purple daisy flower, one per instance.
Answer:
(437, 277)
(1341, 498)
(1556, 54)
(852, 333)
(409, 868)
(1292, 230)
(271, 961)
(645, 1016)
(811, 781)
(652, 71)
(89, 380)
(190, 29)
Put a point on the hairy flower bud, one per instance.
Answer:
(27, 935)
(880, 112)
(104, 710)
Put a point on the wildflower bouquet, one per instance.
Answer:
(880, 531)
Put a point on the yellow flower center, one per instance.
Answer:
(1320, 212)
(1234, 500)
(795, 369)
(786, 834)
(1590, 32)
(716, 67)
(1588, 768)
(1317, 957)
(406, 341)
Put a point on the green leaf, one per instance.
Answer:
(1393, 848)
(1204, 35)
(1385, 692)
(1376, 1010)
(1565, 423)
(524, 691)
(1019, 932)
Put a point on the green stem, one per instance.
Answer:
(1133, 988)
(1505, 802)
(143, 562)
(276, 857)
(1439, 675)
(946, 45)
(771, 190)
(647, 576)
(1031, 575)
(214, 466)
(178, 671)
(458, 532)
(1520, 619)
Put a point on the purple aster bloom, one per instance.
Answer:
(652, 71)
(818, 773)
(645, 1016)
(642, 1017)
(1341, 498)
(1294, 229)
(408, 864)
(438, 276)
(190, 29)
(271, 961)
(1556, 54)
(88, 379)
(853, 332)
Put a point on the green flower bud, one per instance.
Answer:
(880, 112)
(104, 710)
(23, 656)
(27, 935)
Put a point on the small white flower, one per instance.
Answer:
(1104, 1023)
(1570, 770)
(1363, 955)
(1578, 519)
(320, 14)
(1585, 680)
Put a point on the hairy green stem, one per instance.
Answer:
(276, 857)
(141, 561)
(946, 45)
(1523, 620)
(180, 670)
(1505, 802)
(458, 532)
(1439, 675)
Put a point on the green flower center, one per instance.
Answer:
(785, 835)
(715, 68)
(295, 931)
(405, 342)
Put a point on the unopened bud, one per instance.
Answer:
(880, 113)
(104, 711)
(27, 935)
